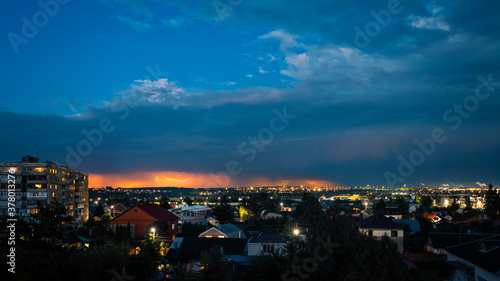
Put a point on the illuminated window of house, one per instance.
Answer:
(53, 194)
(63, 179)
(173, 226)
(221, 236)
(39, 169)
(71, 207)
(38, 185)
(13, 169)
(209, 236)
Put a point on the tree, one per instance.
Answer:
(245, 213)
(188, 201)
(213, 266)
(380, 205)
(223, 212)
(99, 211)
(426, 202)
(50, 221)
(492, 202)
(189, 229)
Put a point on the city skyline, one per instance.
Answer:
(144, 93)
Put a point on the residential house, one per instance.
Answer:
(413, 224)
(265, 243)
(271, 215)
(120, 208)
(476, 260)
(439, 242)
(142, 215)
(379, 225)
(187, 252)
(192, 214)
(227, 230)
(434, 218)
(471, 216)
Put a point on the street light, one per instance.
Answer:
(296, 232)
(154, 233)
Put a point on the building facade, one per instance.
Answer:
(33, 183)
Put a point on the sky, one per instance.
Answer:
(250, 93)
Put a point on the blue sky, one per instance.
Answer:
(185, 84)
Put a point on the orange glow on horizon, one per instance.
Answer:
(184, 179)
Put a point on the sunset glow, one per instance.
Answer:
(180, 179)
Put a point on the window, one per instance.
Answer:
(394, 233)
(370, 233)
(38, 185)
(485, 217)
(221, 236)
(173, 226)
(39, 169)
(479, 216)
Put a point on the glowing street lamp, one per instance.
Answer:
(154, 233)
(296, 232)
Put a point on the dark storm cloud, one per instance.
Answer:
(357, 109)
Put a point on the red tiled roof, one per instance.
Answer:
(158, 212)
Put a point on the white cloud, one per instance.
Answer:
(435, 21)
(262, 70)
(135, 24)
(481, 184)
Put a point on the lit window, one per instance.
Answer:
(38, 185)
(221, 236)
(39, 169)
(208, 236)
(173, 226)
(53, 194)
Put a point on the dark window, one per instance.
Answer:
(394, 233)
(370, 233)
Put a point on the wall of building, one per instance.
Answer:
(40, 183)
(254, 249)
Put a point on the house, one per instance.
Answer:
(471, 216)
(379, 225)
(78, 238)
(119, 208)
(439, 242)
(413, 224)
(265, 243)
(434, 218)
(227, 230)
(271, 215)
(475, 260)
(142, 215)
(192, 214)
(187, 252)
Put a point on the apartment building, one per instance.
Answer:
(43, 182)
